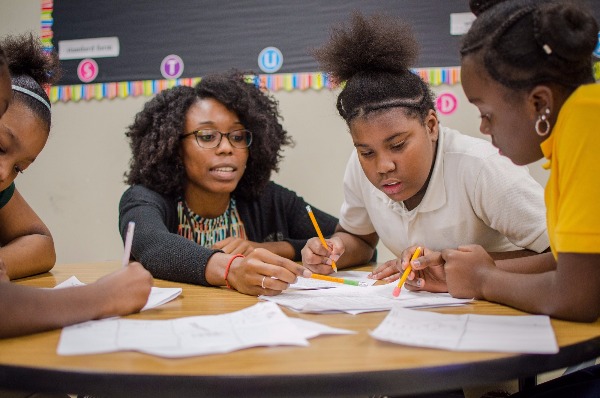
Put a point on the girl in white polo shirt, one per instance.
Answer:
(412, 182)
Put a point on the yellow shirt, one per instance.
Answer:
(573, 189)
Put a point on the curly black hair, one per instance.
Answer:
(33, 69)
(155, 134)
(373, 56)
(555, 42)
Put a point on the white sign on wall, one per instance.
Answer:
(100, 47)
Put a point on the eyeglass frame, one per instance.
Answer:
(221, 134)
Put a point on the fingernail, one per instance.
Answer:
(335, 257)
(419, 282)
(306, 273)
(415, 263)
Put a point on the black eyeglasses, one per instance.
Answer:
(209, 139)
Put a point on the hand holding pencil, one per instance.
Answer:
(407, 272)
(320, 255)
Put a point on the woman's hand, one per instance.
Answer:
(317, 258)
(233, 245)
(264, 273)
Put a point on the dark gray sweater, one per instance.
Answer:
(278, 215)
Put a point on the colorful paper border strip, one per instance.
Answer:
(275, 82)
(46, 22)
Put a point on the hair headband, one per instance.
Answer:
(32, 94)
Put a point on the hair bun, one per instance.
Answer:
(479, 6)
(25, 56)
(366, 45)
(569, 31)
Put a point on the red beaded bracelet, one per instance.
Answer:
(229, 266)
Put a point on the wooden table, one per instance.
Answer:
(340, 365)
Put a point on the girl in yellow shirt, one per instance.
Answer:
(537, 99)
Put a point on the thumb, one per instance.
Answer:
(337, 248)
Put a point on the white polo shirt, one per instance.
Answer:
(475, 196)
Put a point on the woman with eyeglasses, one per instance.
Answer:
(205, 209)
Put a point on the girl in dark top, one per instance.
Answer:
(201, 194)
(26, 245)
(24, 127)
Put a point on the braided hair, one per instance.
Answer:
(533, 42)
(372, 57)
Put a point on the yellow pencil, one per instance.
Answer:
(321, 238)
(416, 254)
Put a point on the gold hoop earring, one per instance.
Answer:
(543, 119)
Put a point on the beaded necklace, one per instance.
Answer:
(208, 231)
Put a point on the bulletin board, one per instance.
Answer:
(139, 47)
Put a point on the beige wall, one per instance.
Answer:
(76, 182)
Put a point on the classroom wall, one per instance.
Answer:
(76, 182)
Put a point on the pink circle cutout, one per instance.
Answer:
(446, 103)
(87, 70)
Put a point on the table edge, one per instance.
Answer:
(387, 382)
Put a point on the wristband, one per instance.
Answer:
(229, 266)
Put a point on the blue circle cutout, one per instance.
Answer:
(270, 60)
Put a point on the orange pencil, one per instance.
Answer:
(416, 254)
(321, 238)
(333, 279)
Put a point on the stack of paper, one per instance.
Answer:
(354, 300)
(263, 324)
(527, 334)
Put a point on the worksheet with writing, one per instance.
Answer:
(468, 332)
(355, 299)
(263, 324)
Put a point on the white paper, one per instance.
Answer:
(468, 332)
(158, 295)
(309, 283)
(263, 324)
(354, 300)
(311, 329)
